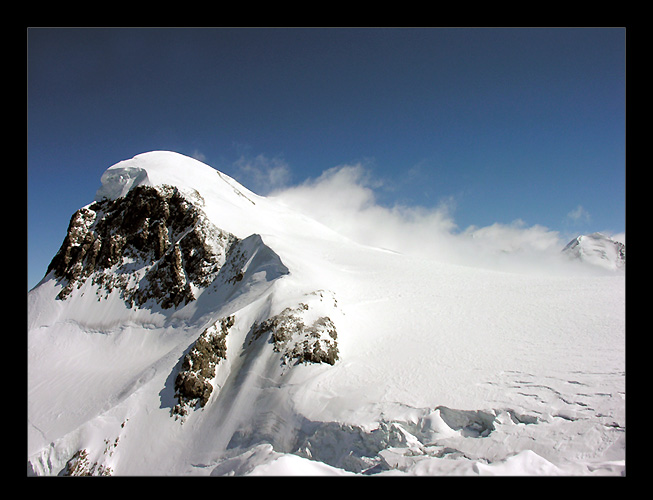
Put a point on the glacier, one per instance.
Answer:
(222, 333)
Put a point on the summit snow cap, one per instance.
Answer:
(165, 167)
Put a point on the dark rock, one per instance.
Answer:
(193, 382)
(151, 244)
(313, 343)
(80, 465)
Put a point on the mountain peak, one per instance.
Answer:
(597, 249)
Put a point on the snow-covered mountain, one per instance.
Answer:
(188, 326)
(599, 250)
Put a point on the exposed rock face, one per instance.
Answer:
(193, 383)
(301, 334)
(80, 465)
(315, 342)
(153, 243)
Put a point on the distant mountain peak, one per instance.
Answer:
(598, 249)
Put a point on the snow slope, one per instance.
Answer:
(440, 369)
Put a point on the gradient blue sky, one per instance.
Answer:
(503, 124)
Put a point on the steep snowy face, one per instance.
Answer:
(599, 250)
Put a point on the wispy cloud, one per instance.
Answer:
(344, 198)
(514, 237)
(198, 155)
(262, 173)
(578, 214)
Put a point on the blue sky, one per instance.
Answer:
(499, 124)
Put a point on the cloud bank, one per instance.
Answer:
(343, 198)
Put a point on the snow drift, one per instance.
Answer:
(188, 326)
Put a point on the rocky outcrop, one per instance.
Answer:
(301, 334)
(193, 384)
(152, 244)
(80, 465)
(300, 339)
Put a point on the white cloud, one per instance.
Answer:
(343, 198)
(263, 174)
(198, 155)
(579, 214)
(514, 237)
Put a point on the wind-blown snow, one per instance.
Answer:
(441, 369)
